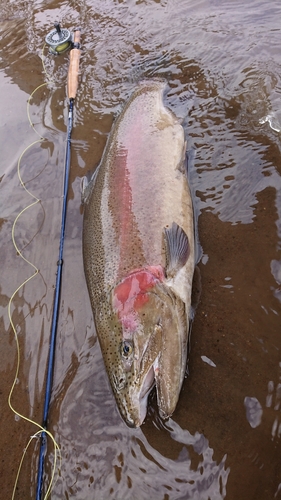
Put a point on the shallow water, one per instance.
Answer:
(222, 62)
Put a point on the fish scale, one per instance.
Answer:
(138, 250)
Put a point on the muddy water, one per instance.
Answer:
(222, 62)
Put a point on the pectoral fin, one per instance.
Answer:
(177, 249)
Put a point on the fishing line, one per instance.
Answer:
(35, 272)
(58, 40)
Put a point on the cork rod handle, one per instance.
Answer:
(72, 80)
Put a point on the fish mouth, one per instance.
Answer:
(135, 408)
(147, 385)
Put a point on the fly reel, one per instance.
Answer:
(59, 40)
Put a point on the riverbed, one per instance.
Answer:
(222, 64)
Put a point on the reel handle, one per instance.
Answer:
(57, 26)
(72, 80)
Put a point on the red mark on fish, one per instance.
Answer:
(132, 293)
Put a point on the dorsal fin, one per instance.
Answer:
(177, 249)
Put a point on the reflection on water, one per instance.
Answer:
(222, 63)
(253, 411)
(274, 120)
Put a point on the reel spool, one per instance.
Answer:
(59, 40)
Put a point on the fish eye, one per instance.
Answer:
(126, 348)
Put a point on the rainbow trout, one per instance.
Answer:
(138, 250)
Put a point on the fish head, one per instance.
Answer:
(148, 344)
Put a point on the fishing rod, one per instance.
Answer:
(59, 40)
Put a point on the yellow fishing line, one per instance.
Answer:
(36, 271)
(37, 434)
